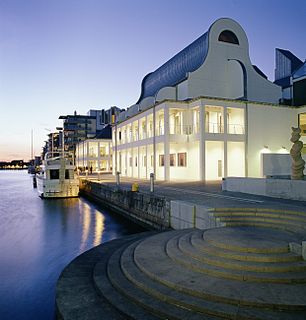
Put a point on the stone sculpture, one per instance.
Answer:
(298, 164)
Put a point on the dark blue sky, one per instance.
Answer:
(57, 56)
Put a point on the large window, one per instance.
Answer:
(214, 122)
(172, 159)
(161, 160)
(302, 123)
(182, 159)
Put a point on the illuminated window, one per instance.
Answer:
(172, 159)
(228, 36)
(161, 160)
(302, 123)
(182, 159)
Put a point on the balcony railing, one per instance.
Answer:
(235, 128)
(212, 127)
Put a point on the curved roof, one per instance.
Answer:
(175, 70)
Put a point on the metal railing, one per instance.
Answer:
(235, 128)
(212, 127)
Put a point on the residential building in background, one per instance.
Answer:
(104, 117)
(290, 74)
(77, 128)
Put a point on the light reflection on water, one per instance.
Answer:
(38, 238)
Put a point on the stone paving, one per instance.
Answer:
(204, 193)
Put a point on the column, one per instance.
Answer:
(225, 142)
(132, 168)
(202, 142)
(99, 157)
(138, 160)
(166, 144)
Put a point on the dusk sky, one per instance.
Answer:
(57, 56)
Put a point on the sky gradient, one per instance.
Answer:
(57, 56)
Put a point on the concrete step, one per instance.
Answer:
(194, 304)
(226, 272)
(269, 225)
(146, 303)
(128, 308)
(185, 246)
(264, 214)
(151, 258)
(248, 239)
(258, 211)
(197, 241)
(76, 295)
(295, 224)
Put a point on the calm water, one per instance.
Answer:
(38, 238)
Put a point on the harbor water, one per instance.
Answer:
(38, 238)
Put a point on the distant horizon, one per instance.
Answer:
(60, 56)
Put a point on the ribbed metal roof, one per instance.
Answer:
(175, 70)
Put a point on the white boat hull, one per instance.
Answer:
(57, 189)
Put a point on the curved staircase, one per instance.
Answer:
(291, 221)
(240, 272)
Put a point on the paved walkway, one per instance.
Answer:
(204, 193)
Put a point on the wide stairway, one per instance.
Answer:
(291, 221)
(240, 272)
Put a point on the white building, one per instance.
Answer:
(95, 154)
(205, 114)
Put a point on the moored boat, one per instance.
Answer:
(57, 178)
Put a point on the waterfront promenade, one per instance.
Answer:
(250, 266)
(202, 193)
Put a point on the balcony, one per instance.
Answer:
(235, 128)
(212, 127)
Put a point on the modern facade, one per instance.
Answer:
(104, 117)
(290, 74)
(205, 114)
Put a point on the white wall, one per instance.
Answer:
(213, 153)
(191, 171)
(235, 159)
(218, 77)
(277, 164)
(166, 93)
(182, 90)
(267, 126)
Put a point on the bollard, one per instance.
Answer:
(117, 178)
(135, 187)
(151, 182)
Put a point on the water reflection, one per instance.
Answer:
(98, 229)
(38, 238)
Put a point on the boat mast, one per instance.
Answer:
(32, 144)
